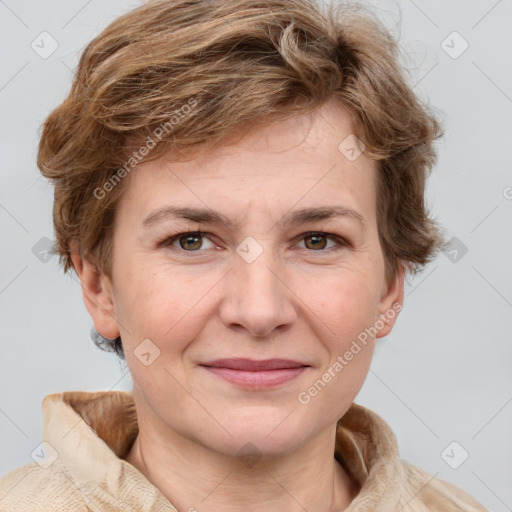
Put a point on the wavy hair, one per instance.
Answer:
(237, 65)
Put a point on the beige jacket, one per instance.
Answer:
(79, 466)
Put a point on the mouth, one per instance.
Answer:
(256, 374)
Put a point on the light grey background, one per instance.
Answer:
(443, 375)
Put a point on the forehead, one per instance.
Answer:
(312, 158)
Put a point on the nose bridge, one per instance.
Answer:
(256, 299)
(258, 279)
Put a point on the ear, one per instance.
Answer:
(391, 303)
(97, 293)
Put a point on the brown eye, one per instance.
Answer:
(315, 241)
(318, 241)
(190, 241)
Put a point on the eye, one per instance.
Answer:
(194, 241)
(318, 241)
(191, 241)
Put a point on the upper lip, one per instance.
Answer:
(253, 365)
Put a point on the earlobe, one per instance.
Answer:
(96, 293)
(391, 304)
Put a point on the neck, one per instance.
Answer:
(309, 478)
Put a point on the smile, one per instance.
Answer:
(256, 374)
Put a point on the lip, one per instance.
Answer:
(253, 365)
(256, 374)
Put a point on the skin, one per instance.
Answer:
(199, 300)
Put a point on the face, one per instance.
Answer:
(275, 275)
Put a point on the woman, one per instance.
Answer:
(240, 188)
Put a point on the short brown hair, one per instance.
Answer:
(216, 66)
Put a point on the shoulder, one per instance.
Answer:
(426, 492)
(32, 488)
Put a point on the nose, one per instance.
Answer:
(257, 298)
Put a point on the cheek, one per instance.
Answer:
(349, 304)
(348, 307)
(161, 304)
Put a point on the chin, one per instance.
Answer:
(259, 434)
(244, 446)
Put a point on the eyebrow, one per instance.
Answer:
(207, 216)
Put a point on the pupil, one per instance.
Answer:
(189, 241)
(317, 241)
(195, 241)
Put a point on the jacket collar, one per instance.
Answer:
(101, 427)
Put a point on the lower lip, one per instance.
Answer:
(258, 379)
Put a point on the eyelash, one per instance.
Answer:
(168, 241)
